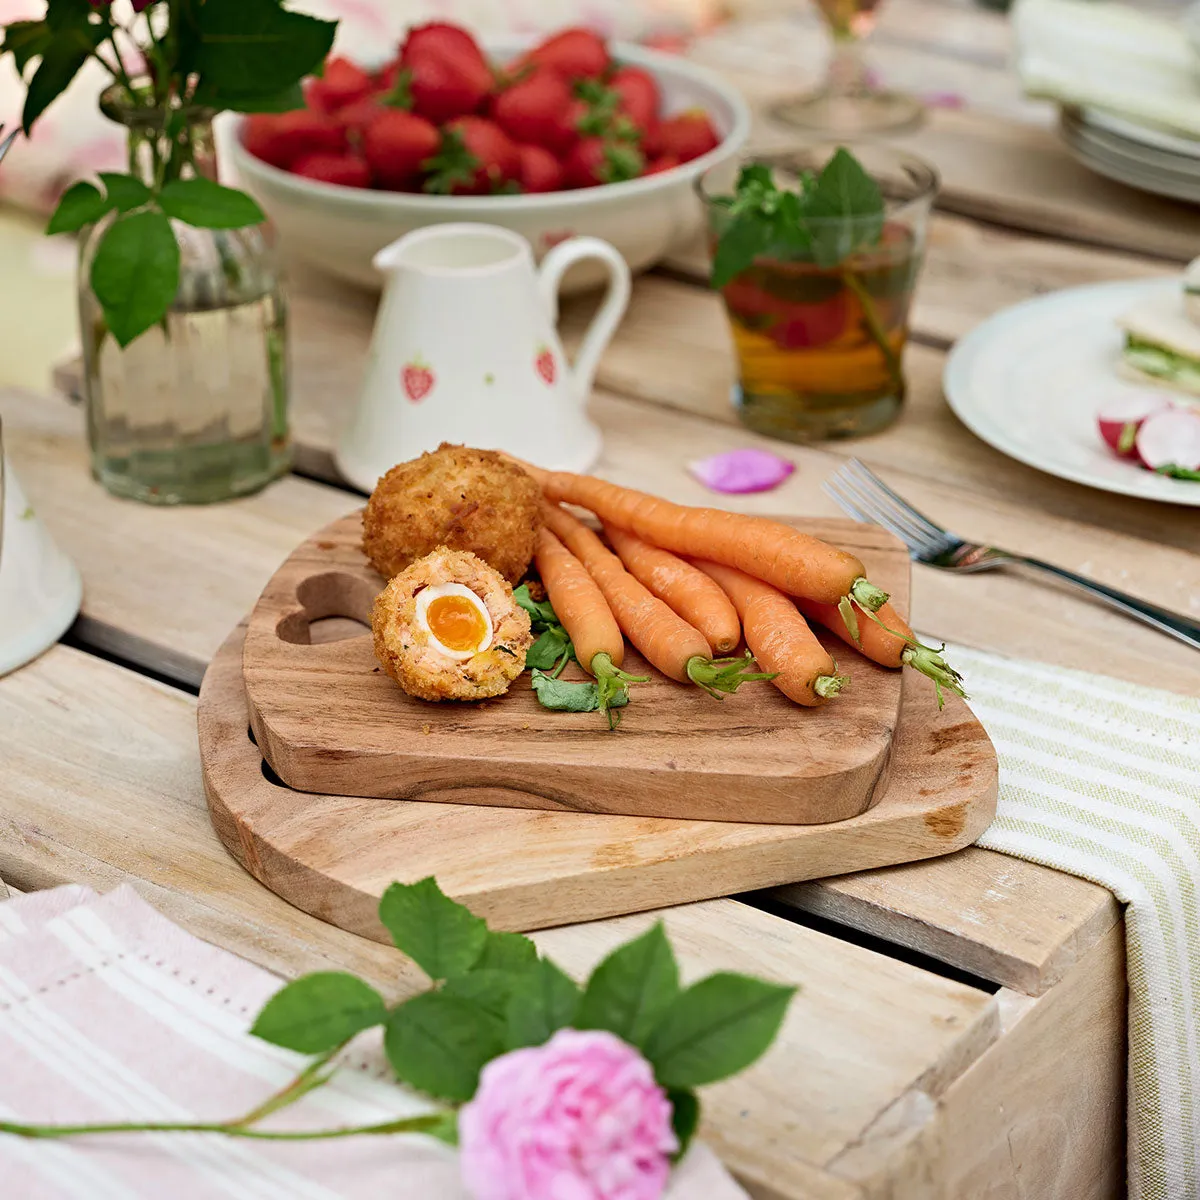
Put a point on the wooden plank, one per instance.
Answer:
(1041, 1113)
(91, 753)
(1025, 927)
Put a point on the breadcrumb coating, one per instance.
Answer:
(457, 497)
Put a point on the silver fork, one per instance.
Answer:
(8, 141)
(859, 492)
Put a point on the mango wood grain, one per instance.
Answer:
(100, 775)
(145, 599)
(525, 869)
(329, 720)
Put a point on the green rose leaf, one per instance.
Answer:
(124, 191)
(507, 952)
(488, 989)
(548, 649)
(285, 100)
(630, 990)
(845, 207)
(81, 204)
(685, 1117)
(438, 1043)
(257, 47)
(62, 58)
(25, 41)
(541, 612)
(208, 205)
(316, 1013)
(543, 1001)
(446, 1129)
(442, 937)
(135, 273)
(715, 1028)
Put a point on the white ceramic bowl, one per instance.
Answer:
(339, 229)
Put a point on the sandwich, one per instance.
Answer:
(1162, 345)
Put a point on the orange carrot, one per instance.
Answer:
(794, 562)
(697, 599)
(584, 613)
(885, 637)
(665, 639)
(779, 637)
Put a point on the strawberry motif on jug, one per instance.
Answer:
(547, 368)
(417, 378)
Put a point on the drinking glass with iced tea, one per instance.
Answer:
(816, 255)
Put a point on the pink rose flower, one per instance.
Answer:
(580, 1118)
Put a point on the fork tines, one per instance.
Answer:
(859, 492)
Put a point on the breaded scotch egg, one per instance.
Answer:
(465, 499)
(447, 628)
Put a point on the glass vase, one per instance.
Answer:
(196, 408)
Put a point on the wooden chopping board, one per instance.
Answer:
(329, 720)
(523, 868)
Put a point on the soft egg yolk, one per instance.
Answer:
(456, 623)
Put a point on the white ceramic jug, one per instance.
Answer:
(465, 350)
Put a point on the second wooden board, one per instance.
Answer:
(333, 856)
(329, 720)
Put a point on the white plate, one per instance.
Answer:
(1170, 181)
(1030, 380)
(1145, 135)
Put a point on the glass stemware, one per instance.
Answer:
(847, 104)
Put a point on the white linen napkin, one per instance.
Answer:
(1101, 779)
(109, 1012)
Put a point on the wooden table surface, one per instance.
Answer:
(960, 1027)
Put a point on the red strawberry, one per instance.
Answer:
(538, 109)
(576, 53)
(281, 138)
(540, 171)
(396, 145)
(343, 83)
(687, 135)
(476, 157)
(545, 364)
(595, 160)
(348, 170)
(664, 162)
(638, 96)
(443, 71)
(354, 118)
(417, 379)
(445, 40)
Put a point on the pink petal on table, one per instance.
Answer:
(944, 100)
(738, 471)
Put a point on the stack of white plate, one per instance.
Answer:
(1135, 154)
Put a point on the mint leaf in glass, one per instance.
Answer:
(845, 210)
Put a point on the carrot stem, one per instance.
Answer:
(612, 684)
(929, 662)
(867, 596)
(724, 675)
(828, 686)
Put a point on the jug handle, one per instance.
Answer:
(604, 323)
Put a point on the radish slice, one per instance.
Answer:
(1170, 439)
(1121, 417)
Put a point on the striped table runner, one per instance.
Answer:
(109, 1012)
(1101, 779)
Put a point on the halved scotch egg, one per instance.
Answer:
(447, 628)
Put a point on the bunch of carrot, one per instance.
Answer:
(684, 583)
